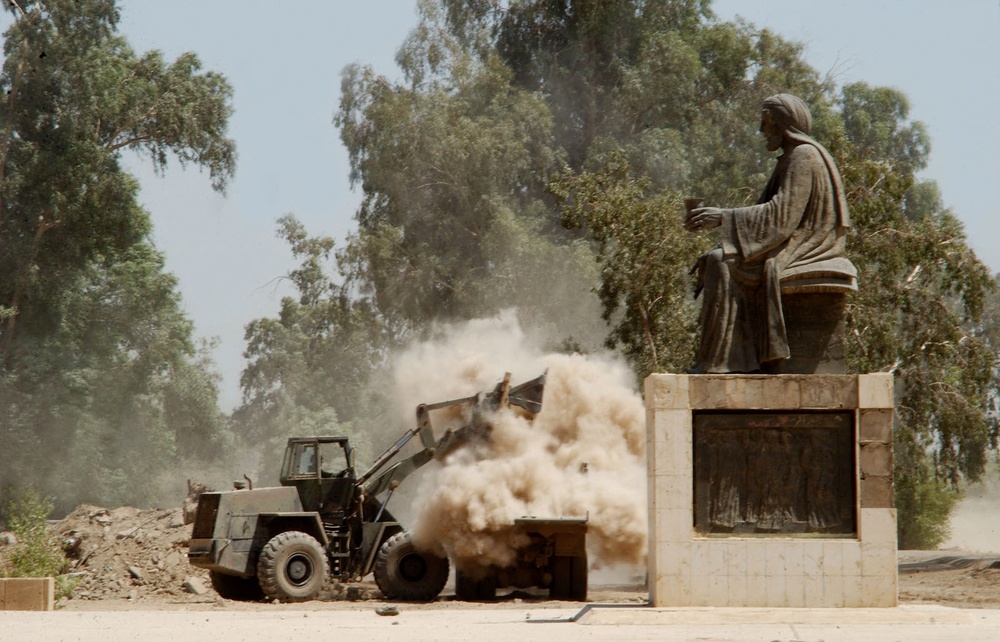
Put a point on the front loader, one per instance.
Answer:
(325, 520)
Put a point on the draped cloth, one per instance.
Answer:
(799, 222)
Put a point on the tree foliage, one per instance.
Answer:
(308, 368)
(452, 163)
(918, 313)
(98, 371)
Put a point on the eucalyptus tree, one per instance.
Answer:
(98, 371)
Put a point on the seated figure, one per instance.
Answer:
(791, 241)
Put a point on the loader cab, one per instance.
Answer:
(322, 470)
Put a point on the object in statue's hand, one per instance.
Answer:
(692, 204)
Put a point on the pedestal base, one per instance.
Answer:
(696, 565)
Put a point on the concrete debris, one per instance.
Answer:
(129, 554)
(194, 585)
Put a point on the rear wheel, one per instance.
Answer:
(469, 589)
(292, 567)
(404, 573)
(569, 578)
(233, 587)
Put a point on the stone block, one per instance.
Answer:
(875, 390)
(851, 559)
(833, 558)
(705, 391)
(878, 560)
(876, 458)
(877, 526)
(879, 591)
(756, 590)
(756, 558)
(671, 443)
(794, 559)
(777, 595)
(833, 591)
(775, 553)
(667, 391)
(828, 392)
(700, 593)
(734, 394)
(27, 594)
(813, 559)
(673, 525)
(673, 491)
(853, 594)
(736, 588)
(782, 392)
(669, 590)
(676, 559)
(754, 396)
(876, 491)
(875, 425)
(795, 591)
(813, 589)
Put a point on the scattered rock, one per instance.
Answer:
(387, 610)
(143, 555)
(194, 585)
(8, 539)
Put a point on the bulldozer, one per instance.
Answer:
(325, 520)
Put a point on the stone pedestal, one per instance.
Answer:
(813, 557)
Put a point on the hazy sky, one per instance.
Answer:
(284, 61)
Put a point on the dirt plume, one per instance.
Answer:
(582, 456)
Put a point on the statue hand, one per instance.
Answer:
(703, 218)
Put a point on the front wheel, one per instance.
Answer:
(404, 573)
(292, 567)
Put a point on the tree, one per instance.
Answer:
(918, 313)
(308, 368)
(96, 356)
(452, 163)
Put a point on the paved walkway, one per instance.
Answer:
(911, 623)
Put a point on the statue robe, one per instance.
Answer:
(799, 223)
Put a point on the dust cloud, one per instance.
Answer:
(582, 456)
(975, 522)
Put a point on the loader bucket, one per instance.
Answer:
(528, 395)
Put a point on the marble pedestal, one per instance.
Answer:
(692, 568)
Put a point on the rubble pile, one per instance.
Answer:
(133, 554)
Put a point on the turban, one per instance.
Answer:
(790, 112)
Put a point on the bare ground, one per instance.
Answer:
(126, 558)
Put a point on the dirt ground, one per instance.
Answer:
(126, 558)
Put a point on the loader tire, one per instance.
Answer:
(404, 573)
(292, 567)
(569, 578)
(234, 587)
(469, 589)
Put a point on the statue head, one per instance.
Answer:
(781, 114)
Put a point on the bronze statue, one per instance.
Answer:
(795, 234)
